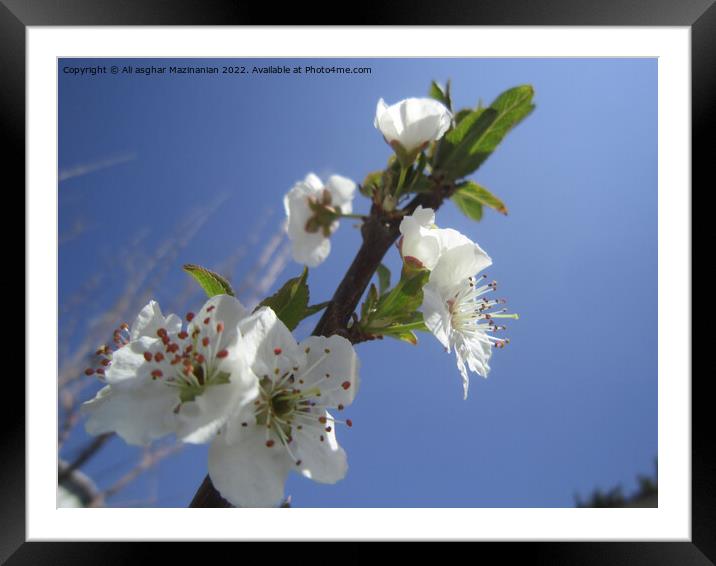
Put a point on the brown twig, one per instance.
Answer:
(379, 231)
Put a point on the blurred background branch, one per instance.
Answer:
(137, 272)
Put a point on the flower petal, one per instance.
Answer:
(385, 120)
(460, 357)
(380, 109)
(332, 365)
(472, 354)
(450, 239)
(238, 423)
(342, 190)
(477, 354)
(296, 205)
(436, 314)
(324, 460)
(421, 240)
(457, 264)
(129, 368)
(137, 415)
(313, 183)
(248, 473)
(223, 309)
(413, 122)
(311, 249)
(150, 319)
(423, 246)
(423, 216)
(264, 337)
(297, 210)
(202, 418)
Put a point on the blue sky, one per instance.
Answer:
(191, 168)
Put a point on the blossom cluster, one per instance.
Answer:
(240, 381)
(455, 307)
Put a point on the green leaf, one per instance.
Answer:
(406, 336)
(470, 198)
(313, 309)
(410, 322)
(418, 182)
(405, 331)
(418, 324)
(369, 303)
(443, 96)
(290, 302)
(455, 152)
(383, 278)
(468, 206)
(394, 313)
(462, 114)
(512, 107)
(478, 134)
(212, 283)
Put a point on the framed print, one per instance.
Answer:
(312, 204)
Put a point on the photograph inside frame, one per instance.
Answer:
(424, 282)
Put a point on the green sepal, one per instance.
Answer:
(405, 157)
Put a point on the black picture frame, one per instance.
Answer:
(699, 15)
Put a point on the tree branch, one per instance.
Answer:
(379, 231)
(85, 454)
(150, 459)
(207, 496)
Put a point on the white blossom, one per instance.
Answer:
(288, 427)
(412, 123)
(454, 308)
(164, 380)
(422, 243)
(312, 209)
